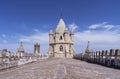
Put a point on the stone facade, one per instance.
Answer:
(61, 42)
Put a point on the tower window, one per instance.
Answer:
(60, 37)
(61, 48)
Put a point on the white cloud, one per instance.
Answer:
(3, 35)
(103, 25)
(5, 41)
(94, 26)
(100, 39)
(39, 37)
(36, 30)
(98, 36)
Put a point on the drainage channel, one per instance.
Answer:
(61, 72)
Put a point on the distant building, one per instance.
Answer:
(61, 42)
(20, 50)
(36, 49)
(87, 51)
(4, 55)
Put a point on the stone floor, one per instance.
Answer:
(61, 69)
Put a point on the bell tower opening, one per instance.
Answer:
(60, 37)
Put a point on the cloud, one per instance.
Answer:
(3, 35)
(103, 25)
(5, 41)
(73, 26)
(38, 37)
(36, 30)
(100, 39)
(98, 36)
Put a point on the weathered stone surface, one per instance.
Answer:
(39, 70)
(60, 72)
(77, 69)
(61, 69)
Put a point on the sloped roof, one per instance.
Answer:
(60, 26)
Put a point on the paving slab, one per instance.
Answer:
(61, 69)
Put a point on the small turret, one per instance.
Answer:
(21, 49)
(56, 37)
(72, 35)
(66, 35)
(88, 49)
(51, 36)
(51, 32)
(37, 49)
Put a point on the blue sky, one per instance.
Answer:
(30, 21)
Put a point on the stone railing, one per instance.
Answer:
(6, 65)
(109, 58)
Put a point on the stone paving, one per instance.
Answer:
(39, 70)
(77, 69)
(61, 69)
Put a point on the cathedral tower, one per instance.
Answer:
(61, 44)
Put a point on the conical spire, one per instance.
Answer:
(88, 49)
(20, 49)
(61, 26)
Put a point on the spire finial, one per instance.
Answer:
(61, 13)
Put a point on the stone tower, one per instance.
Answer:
(88, 49)
(61, 43)
(20, 50)
(37, 49)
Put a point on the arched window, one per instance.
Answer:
(60, 37)
(61, 48)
